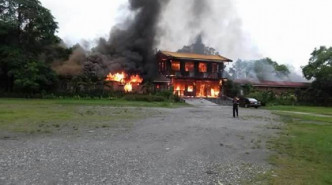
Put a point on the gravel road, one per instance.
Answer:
(201, 144)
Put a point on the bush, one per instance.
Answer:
(168, 94)
(264, 96)
(287, 99)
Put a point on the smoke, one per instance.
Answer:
(198, 25)
(199, 48)
(131, 45)
(216, 21)
(263, 70)
(73, 66)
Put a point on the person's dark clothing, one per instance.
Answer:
(235, 107)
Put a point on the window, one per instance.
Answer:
(214, 68)
(175, 65)
(202, 67)
(189, 67)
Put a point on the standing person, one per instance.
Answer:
(235, 106)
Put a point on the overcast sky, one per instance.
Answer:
(285, 30)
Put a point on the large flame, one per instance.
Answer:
(128, 87)
(136, 79)
(125, 79)
(118, 77)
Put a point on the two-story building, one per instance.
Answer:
(191, 75)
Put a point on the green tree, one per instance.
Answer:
(319, 69)
(27, 36)
(34, 77)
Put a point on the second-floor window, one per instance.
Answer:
(189, 66)
(202, 67)
(214, 68)
(175, 66)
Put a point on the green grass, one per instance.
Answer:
(304, 147)
(106, 102)
(305, 109)
(45, 116)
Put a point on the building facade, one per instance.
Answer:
(191, 75)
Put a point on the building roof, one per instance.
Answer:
(273, 83)
(194, 56)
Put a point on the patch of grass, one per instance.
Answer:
(44, 116)
(303, 148)
(305, 109)
(89, 102)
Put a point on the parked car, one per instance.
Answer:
(249, 102)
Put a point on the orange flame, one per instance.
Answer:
(128, 87)
(125, 79)
(118, 77)
(136, 79)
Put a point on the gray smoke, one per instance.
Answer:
(199, 48)
(216, 21)
(131, 45)
(263, 70)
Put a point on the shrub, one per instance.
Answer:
(264, 96)
(165, 93)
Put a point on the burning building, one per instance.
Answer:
(191, 75)
(124, 82)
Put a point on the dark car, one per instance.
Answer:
(249, 102)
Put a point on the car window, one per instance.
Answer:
(252, 99)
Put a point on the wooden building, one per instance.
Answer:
(191, 75)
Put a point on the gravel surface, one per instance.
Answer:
(202, 144)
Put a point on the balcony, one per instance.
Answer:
(196, 75)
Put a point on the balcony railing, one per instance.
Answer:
(178, 74)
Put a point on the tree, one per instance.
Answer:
(27, 36)
(34, 77)
(319, 69)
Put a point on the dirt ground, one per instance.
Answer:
(200, 144)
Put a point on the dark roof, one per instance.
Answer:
(273, 83)
(194, 56)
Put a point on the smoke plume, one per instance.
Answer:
(131, 46)
(199, 48)
(263, 70)
(216, 21)
(73, 66)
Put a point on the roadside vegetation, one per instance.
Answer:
(304, 146)
(71, 115)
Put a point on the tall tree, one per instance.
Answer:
(27, 36)
(319, 69)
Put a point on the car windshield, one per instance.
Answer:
(252, 99)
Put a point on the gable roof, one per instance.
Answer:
(194, 56)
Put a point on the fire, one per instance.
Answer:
(118, 77)
(136, 79)
(128, 87)
(127, 80)
(190, 88)
(214, 93)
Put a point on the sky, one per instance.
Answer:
(285, 30)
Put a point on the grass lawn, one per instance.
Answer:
(304, 146)
(305, 109)
(44, 116)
